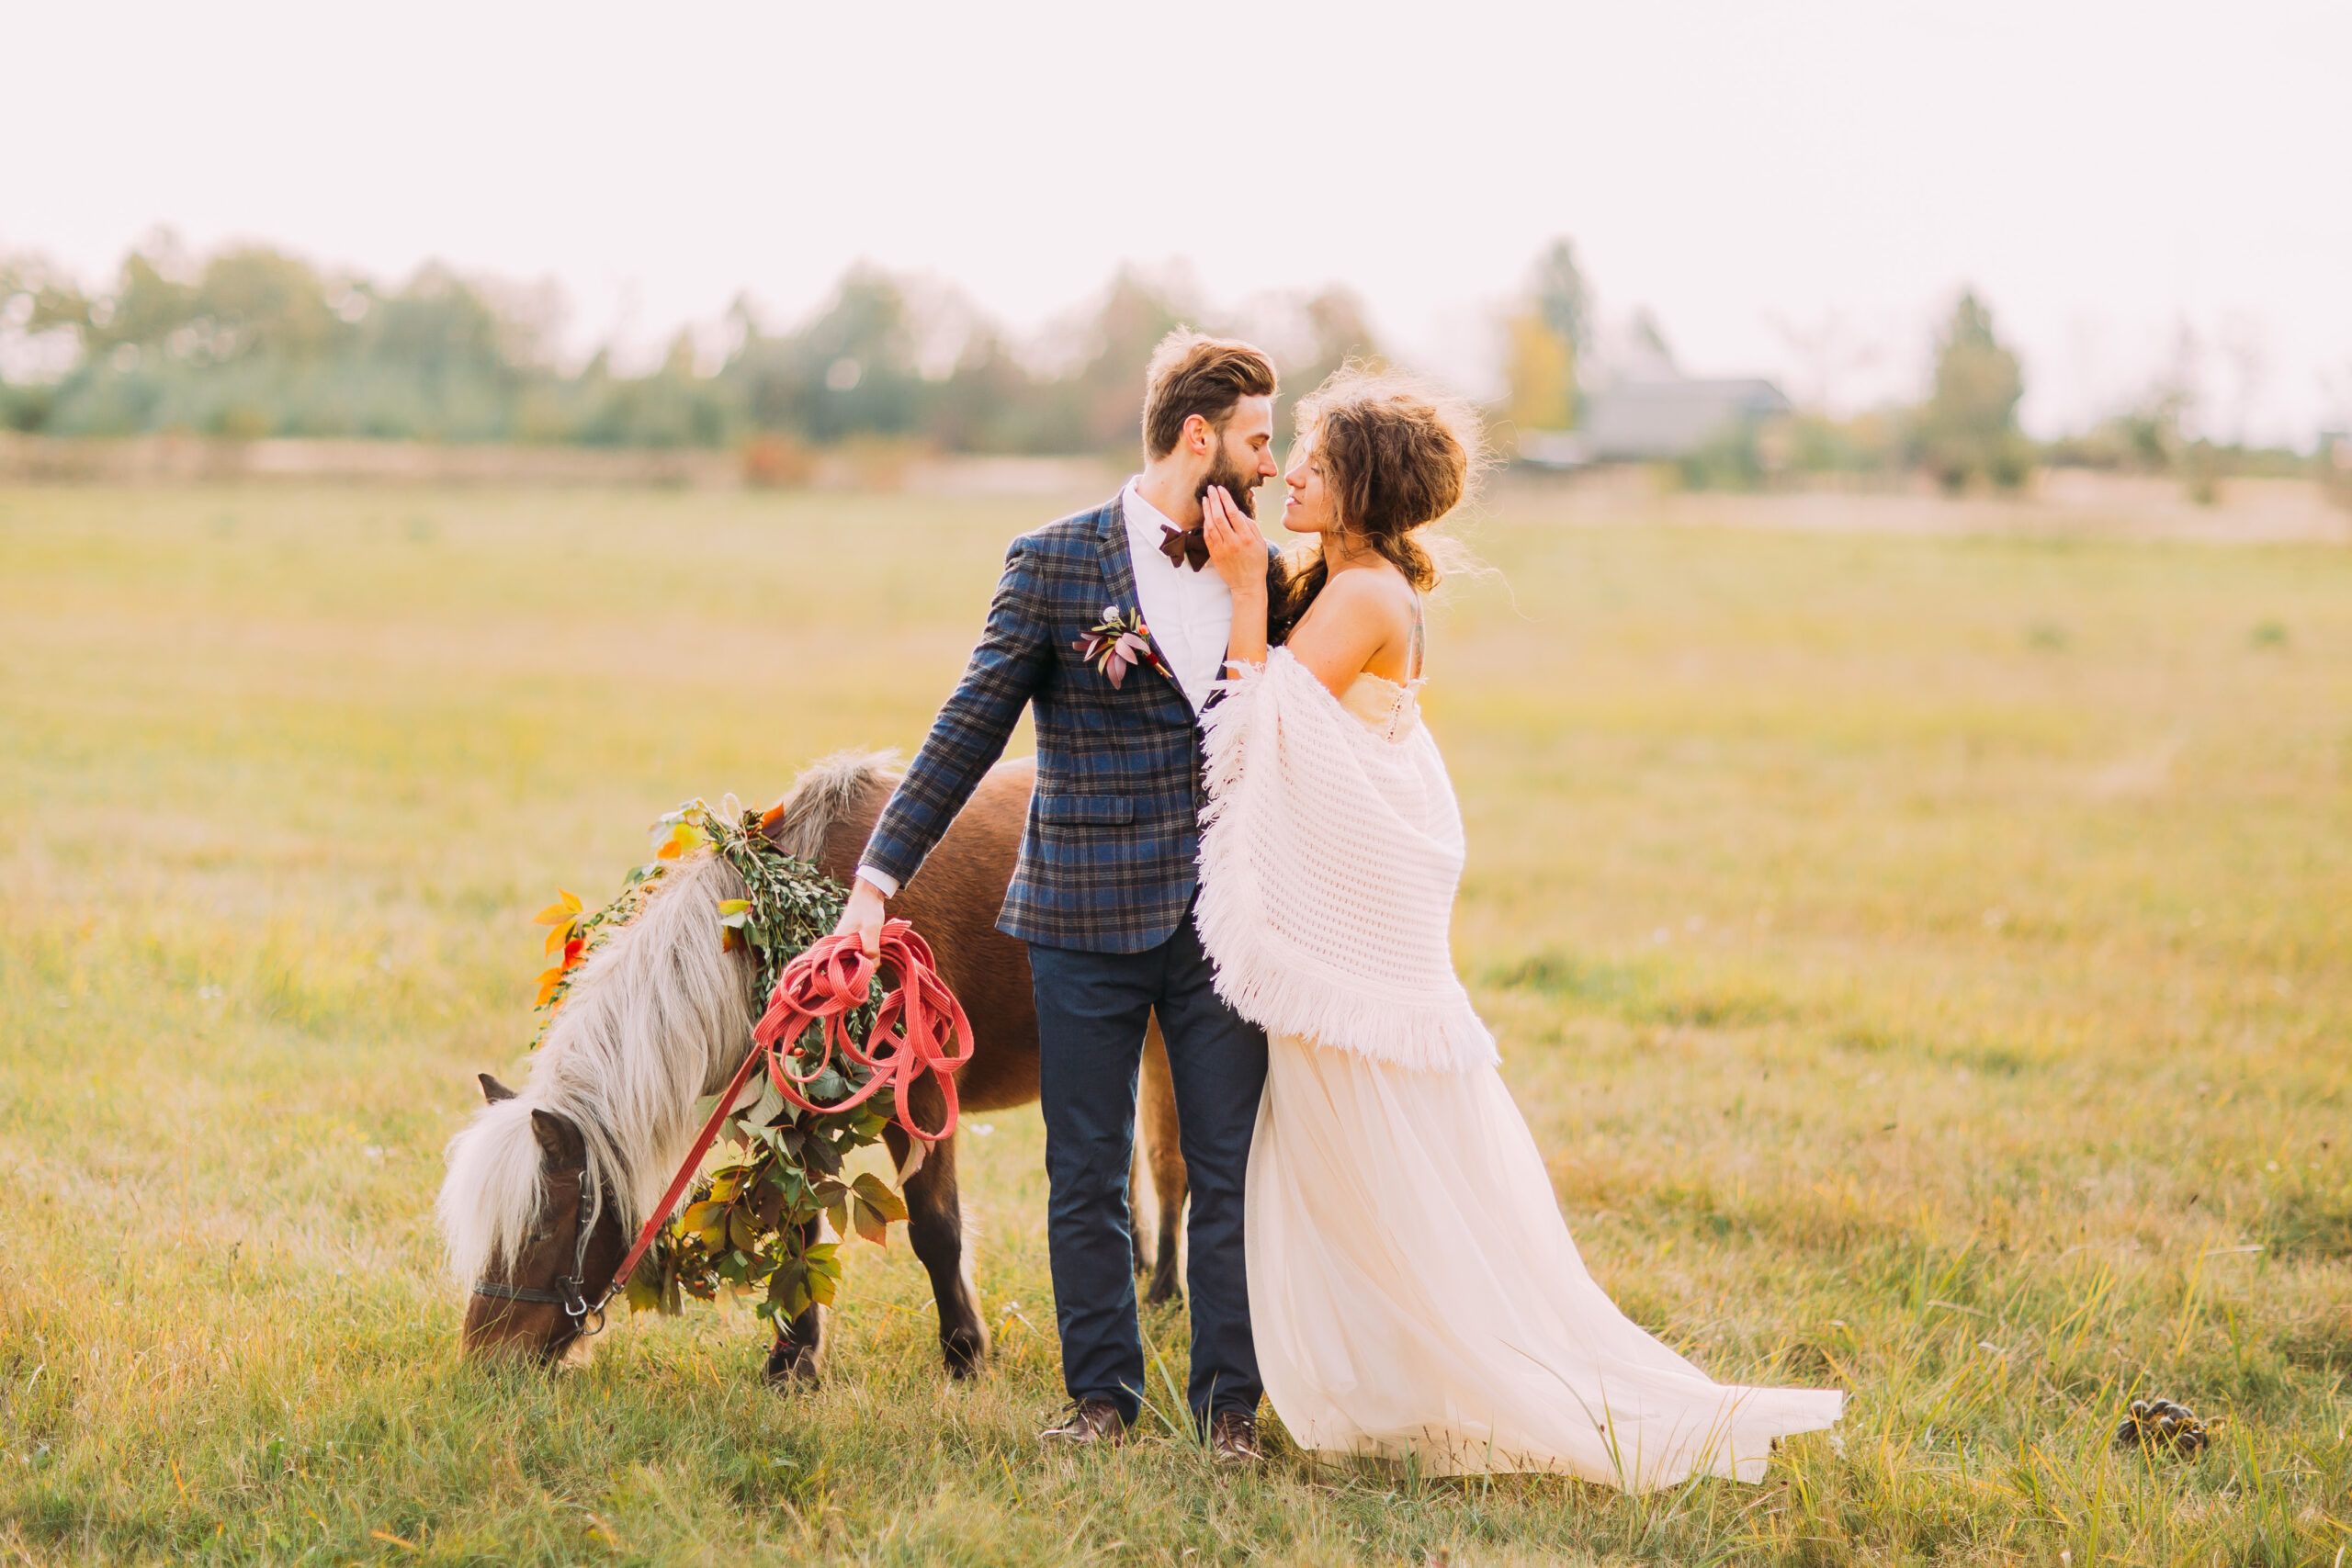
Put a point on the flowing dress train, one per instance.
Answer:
(1414, 1290)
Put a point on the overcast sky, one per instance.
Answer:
(1794, 188)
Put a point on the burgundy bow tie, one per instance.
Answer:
(1184, 547)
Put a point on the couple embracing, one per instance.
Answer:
(1240, 824)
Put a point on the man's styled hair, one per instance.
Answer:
(1191, 373)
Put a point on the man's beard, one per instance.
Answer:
(1241, 487)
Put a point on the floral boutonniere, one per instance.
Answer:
(1117, 640)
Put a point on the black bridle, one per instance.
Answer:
(569, 1290)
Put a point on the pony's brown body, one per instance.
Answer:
(952, 901)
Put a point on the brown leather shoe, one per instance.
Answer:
(1233, 1438)
(1087, 1421)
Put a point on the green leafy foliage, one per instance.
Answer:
(750, 1227)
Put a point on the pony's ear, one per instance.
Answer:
(560, 1141)
(492, 1092)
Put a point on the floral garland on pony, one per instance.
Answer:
(749, 1227)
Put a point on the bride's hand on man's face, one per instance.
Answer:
(1236, 549)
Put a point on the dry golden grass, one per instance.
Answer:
(1923, 957)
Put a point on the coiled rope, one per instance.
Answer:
(920, 1028)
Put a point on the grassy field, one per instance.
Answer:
(1926, 960)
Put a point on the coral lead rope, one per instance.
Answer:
(920, 1028)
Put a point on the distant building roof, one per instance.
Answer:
(1654, 421)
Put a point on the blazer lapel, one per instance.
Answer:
(1119, 575)
(1118, 568)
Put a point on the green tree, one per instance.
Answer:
(852, 368)
(990, 402)
(1968, 429)
(262, 304)
(1546, 341)
(1562, 297)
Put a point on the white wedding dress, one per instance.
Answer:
(1413, 1289)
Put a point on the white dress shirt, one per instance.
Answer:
(1190, 612)
(1190, 615)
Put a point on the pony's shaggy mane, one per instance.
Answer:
(660, 1018)
(826, 789)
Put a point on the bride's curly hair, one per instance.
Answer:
(1397, 456)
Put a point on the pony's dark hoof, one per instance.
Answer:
(793, 1366)
(967, 1354)
(1162, 1291)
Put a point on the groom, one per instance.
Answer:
(1105, 888)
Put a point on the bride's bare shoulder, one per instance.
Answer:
(1368, 596)
(1362, 620)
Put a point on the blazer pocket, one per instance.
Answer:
(1103, 809)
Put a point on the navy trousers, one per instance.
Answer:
(1092, 1011)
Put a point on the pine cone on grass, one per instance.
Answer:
(2162, 1426)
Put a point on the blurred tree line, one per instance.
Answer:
(1963, 434)
(252, 342)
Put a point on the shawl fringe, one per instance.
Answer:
(1305, 806)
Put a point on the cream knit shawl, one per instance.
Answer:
(1330, 857)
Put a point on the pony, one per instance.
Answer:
(548, 1184)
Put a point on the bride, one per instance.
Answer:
(1413, 1289)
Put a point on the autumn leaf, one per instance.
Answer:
(873, 1206)
(877, 1193)
(788, 1288)
(708, 1221)
(558, 934)
(824, 1272)
(558, 913)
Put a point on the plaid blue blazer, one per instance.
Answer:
(1107, 860)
